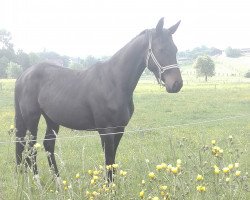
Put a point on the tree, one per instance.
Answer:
(13, 70)
(3, 66)
(6, 47)
(23, 59)
(247, 75)
(204, 66)
(233, 53)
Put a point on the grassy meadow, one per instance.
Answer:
(190, 145)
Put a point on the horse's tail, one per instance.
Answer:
(20, 127)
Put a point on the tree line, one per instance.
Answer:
(12, 62)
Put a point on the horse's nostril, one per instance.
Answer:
(177, 86)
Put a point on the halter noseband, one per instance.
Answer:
(161, 69)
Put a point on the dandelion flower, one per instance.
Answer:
(174, 170)
(155, 198)
(163, 187)
(123, 173)
(199, 177)
(115, 166)
(230, 166)
(96, 172)
(213, 142)
(109, 167)
(90, 172)
(164, 165)
(37, 146)
(237, 173)
(201, 188)
(225, 170)
(95, 178)
(216, 170)
(141, 194)
(12, 127)
(151, 175)
(94, 193)
(159, 167)
(236, 165)
(64, 182)
(92, 182)
(77, 176)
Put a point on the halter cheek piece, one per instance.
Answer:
(161, 69)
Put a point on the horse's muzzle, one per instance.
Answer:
(176, 87)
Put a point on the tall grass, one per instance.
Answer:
(170, 141)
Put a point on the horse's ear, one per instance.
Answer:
(173, 28)
(159, 26)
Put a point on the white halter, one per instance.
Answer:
(161, 69)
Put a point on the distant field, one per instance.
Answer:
(226, 70)
(165, 127)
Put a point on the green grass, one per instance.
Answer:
(165, 127)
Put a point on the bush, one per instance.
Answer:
(247, 75)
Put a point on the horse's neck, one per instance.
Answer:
(129, 63)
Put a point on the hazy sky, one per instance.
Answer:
(91, 27)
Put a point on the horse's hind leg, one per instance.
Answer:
(49, 143)
(28, 119)
(20, 134)
(32, 119)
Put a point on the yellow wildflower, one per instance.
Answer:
(201, 188)
(213, 142)
(227, 179)
(90, 172)
(155, 198)
(237, 173)
(123, 173)
(92, 181)
(163, 187)
(96, 172)
(94, 193)
(164, 165)
(230, 137)
(159, 167)
(199, 177)
(141, 194)
(12, 127)
(216, 170)
(95, 178)
(109, 167)
(236, 165)
(230, 166)
(77, 176)
(151, 175)
(225, 170)
(178, 162)
(37, 146)
(64, 182)
(115, 166)
(143, 182)
(174, 170)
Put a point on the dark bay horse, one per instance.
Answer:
(100, 98)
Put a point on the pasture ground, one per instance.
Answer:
(164, 128)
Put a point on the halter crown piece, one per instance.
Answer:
(161, 69)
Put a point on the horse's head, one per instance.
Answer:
(161, 57)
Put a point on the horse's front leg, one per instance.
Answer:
(109, 151)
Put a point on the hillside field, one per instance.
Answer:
(170, 140)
